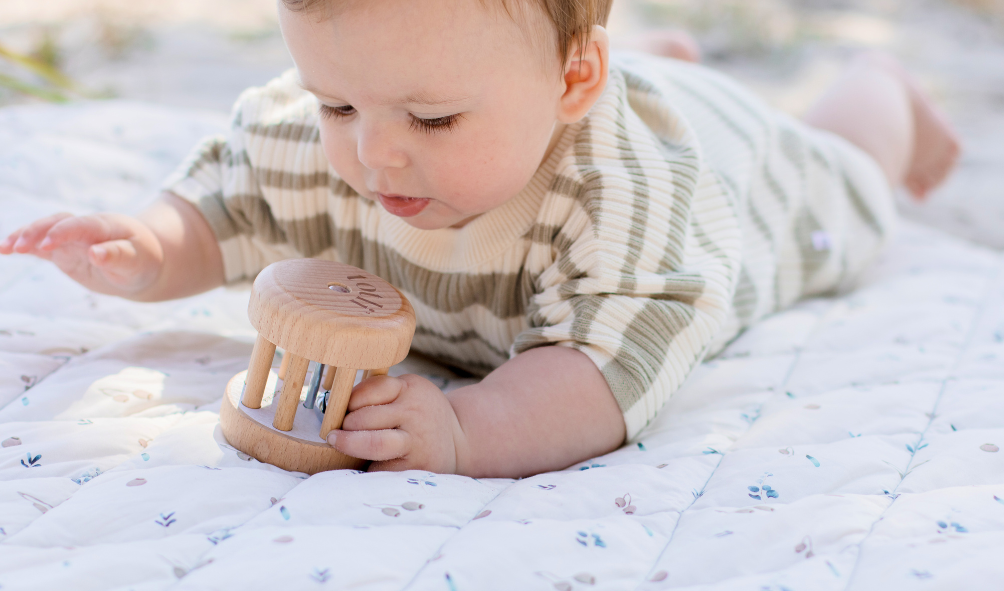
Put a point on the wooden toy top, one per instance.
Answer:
(333, 313)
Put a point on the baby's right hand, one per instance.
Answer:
(108, 253)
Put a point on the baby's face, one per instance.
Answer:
(440, 110)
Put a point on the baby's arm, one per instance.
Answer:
(168, 252)
(545, 409)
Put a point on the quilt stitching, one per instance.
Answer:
(950, 375)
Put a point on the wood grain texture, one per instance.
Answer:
(320, 311)
(261, 363)
(296, 373)
(329, 377)
(282, 364)
(275, 447)
(338, 400)
(364, 323)
(372, 373)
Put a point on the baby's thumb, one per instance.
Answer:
(113, 254)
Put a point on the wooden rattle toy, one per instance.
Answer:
(325, 315)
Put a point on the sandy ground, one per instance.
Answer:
(198, 54)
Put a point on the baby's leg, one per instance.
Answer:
(672, 43)
(880, 108)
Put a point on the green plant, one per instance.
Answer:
(44, 65)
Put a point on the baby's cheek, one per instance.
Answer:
(340, 152)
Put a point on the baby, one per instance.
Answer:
(579, 228)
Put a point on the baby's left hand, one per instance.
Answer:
(404, 423)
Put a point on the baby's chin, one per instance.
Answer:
(433, 222)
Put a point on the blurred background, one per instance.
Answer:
(200, 54)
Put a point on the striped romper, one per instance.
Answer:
(679, 211)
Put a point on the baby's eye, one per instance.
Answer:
(447, 123)
(343, 111)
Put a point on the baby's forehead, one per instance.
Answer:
(527, 21)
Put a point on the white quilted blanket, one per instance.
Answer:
(848, 443)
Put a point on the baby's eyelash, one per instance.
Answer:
(436, 125)
(327, 112)
(447, 123)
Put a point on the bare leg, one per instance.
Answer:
(672, 43)
(880, 108)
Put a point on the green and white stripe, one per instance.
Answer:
(677, 213)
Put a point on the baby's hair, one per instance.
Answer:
(572, 19)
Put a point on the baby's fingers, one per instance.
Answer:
(87, 229)
(26, 238)
(386, 444)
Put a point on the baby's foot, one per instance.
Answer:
(672, 43)
(936, 145)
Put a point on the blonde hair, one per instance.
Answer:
(572, 19)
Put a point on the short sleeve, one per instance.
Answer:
(241, 181)
(643, 290)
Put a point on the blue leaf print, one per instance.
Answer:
(599, 541)
(145, 456)
(909, 448)
(641, 446)
(24, 401)
(284, 512)
(87, 476)
(952, 426)
(32, 462)
(449, 581)
(218, 536)
(766, 492)
(712, 451)
(321, 576)
(942, 525)
(166, 520)
(959, 528)
(814, 461)
(547, 486)
(999, 500)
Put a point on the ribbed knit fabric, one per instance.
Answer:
(679, 211)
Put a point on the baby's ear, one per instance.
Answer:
(585, 76)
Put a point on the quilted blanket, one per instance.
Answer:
(848, 443)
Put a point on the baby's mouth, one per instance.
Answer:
(402, 206)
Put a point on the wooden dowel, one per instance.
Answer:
(291, 387)
(329, 377)
(374, 372)
(257, 376)
(338, 400)
(283, 365)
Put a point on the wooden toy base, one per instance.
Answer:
(299, 450)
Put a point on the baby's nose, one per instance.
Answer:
(379, 147)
